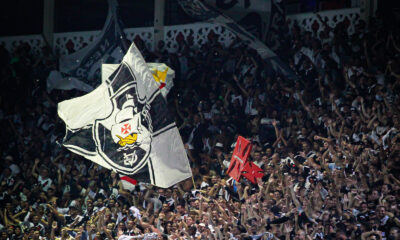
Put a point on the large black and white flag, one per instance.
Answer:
(253, 15)
(124, 125)
(162, 74)
(82, 69)
(207, 13)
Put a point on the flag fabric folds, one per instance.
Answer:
(204, 12)
(240, 165)
(124, 125)
(253, 15)
(62, 81)
(162, 74)
(81, 70)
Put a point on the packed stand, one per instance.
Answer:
(328, 141)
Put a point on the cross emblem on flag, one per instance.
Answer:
(252, 172)
(126, 128)
(239, 157)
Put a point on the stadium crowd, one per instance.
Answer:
(327, 139)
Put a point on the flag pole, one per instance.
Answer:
(194, 184)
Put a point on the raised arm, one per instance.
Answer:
(245, 93)
(34, 173)
(394, 43)
(294, 198)
(366, 53)
(148, 225)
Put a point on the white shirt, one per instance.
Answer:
(14, 169)
(44, 182)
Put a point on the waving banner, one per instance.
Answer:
(253, 15)
(239, 158)
(82, 69)
(204, 12)
(124, 125)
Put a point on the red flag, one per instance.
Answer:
(252, 171)
(128, 183)
(239, 157)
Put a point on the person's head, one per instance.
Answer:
(192, 230)
(394, 233)
(277, 194)
(73, 211)
(196, 119)
(300, 235)
(108, 214)
(36, 234)
(180, 208)
(17, 230)
(165, 207)
(381, 211)
(7, 172)
(92, 186)
(189, 221)
(275, 158)
(214, 180)
(10, 230)
(269, 152)
(374, 236)
(89, 205)
(9, 206)
(386, 188)
(306, 146)
(51, 191)
(98, 235)
(35, 219)
(341, 235)
(131, 224)
(236, 231)
(364, 207)
(110, 226)
(329, 201)
(44, 172)
(257, 156)
(253, 225)
(195, 203)
(4, 235)
(74, 172)
(201, 227)
(168, 193)
(374, 195)
(93, 227)
(111, 203)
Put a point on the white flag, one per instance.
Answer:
(124, 125)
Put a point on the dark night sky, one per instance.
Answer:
(22, 17)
